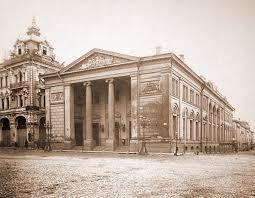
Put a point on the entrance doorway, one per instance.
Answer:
(117, 133)
(42, 134)
(21, 130)
(6, 135)
(78, 134)
(96, 134)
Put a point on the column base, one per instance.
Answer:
(88, 145)
(133, 145)
(110, 144)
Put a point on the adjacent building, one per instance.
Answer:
(22, 94)
(106, 101)
(243, 135)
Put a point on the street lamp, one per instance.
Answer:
(176, 138)
(48, 127)
(143, 150)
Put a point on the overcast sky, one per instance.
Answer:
(217, 37)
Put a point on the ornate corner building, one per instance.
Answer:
(107, 101)
(22, 93)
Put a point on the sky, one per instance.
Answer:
(217, 37)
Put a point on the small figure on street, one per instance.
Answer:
(26, 144)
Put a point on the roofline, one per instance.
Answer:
(144, 59)
(93, 51)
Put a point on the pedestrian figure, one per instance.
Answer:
(26, 144)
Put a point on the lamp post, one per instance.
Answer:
(176, 147)
(143, 150)
(206, 140)
(48, 127)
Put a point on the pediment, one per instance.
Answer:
(97, 58)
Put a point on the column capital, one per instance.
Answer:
(88, 83)
(109, 80)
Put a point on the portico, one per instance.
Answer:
(101, 113)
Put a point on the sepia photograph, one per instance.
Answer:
(131, 98)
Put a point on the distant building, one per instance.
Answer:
(107, 101)
(243, 135)
(22, 94)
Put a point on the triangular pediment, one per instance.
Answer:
(97, 58)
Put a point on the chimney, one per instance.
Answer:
(158, 50)
(181, 56)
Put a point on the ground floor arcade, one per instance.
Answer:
(19, 131)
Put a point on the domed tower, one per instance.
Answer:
(22, 92)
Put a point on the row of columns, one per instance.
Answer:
(7, 100)
(69, 114)
(4, 103)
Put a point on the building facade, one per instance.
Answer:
(243, 135)
(108, 101)
(22, 94)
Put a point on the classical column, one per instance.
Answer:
(1, 133)
(88, 143)
(5, 103)
(180, 109)
(10, 100)
(188, 128)
(47, 104)
(18, 101)
(110, 142)
(13, 131)
(69, 114)
(208, 121)
(4, 81)
(134, 88)
(1, 104)
(42, 100)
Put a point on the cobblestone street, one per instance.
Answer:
(31, 174)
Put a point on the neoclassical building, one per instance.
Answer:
(22, 94)
(107, 101)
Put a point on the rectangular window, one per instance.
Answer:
(19, 50)
(197, 99)
(175, 87)
(21, 101)
(8, 103)
(192, 96)
(185, 93)
(2, 103)
(6, 81)
(44, 51)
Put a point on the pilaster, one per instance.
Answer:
(134, 113)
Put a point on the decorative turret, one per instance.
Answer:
(33, 29)
(32, 42)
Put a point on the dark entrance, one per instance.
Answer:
(6, 135)
(96, 133)
(42, 133)
(78, 134)
(21, 130)
(117, 133)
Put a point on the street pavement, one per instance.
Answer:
(71, 174)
